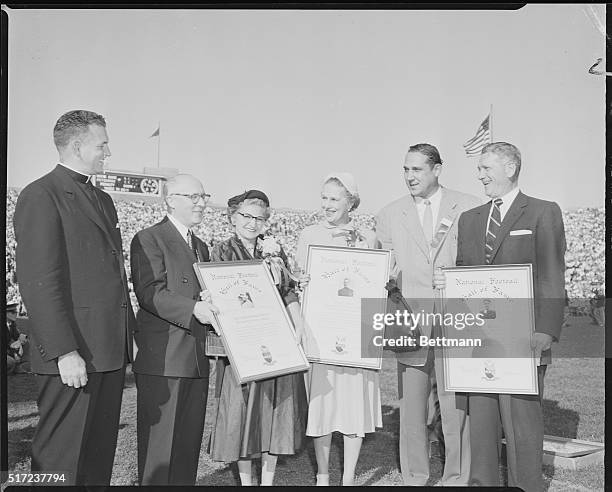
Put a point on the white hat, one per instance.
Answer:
(347, 180)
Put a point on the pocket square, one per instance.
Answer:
(521, 232)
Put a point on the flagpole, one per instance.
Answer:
(158, 141)
(491, 121)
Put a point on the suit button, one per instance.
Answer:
(124, 304)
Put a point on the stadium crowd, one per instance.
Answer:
(584, 229)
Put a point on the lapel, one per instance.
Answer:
(173, 237)
(105, 212)
(516, 210)
(84, 202)
(448, 211)
(413, 224)
(446, 205)
(480, 232)
(200, 247)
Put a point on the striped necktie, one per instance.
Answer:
(493, 229)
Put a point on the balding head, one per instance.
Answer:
(178, 193)
(179, 182)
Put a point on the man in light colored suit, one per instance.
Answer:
(513, 228)
(421, 229)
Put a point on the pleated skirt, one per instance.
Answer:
(343, 399)
(260, 416)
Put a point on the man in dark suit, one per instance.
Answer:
(72, 279)
(171, 367)
(514, 228)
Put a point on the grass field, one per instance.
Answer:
(573, 407)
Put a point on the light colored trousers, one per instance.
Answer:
(414, 389)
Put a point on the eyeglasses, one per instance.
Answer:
(195, 197)
(249, 218)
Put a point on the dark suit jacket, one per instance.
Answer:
(169, 338)
(543, 247)
(71, 275)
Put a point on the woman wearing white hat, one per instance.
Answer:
(342, 399)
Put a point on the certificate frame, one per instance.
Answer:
(247, 297)
(351, 340)
(507, 374)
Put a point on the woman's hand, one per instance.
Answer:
(303, 280)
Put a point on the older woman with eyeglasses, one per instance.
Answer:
(262, 418)
(342, 399)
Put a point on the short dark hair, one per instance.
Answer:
(429, 151)
(506, 151)
(74, 123)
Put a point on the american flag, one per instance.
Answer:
(483, 137)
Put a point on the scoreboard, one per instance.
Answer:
(129, 183)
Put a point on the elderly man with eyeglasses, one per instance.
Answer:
(171, 367)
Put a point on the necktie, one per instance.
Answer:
(192, 242)
(493, 229)
(428, 222)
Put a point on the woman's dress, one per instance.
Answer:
(344, 399)
(260, 416)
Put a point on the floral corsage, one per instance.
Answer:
(270, 251)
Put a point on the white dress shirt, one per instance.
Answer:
(436, 200)
(507, 201)
(183, 230)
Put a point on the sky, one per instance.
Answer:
(278, 99)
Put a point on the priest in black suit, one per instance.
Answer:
(171, 367)
(72, 280)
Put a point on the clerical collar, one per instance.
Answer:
(76, 175)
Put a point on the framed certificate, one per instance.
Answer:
(256, 329)
(492, 353)
(346, 287)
